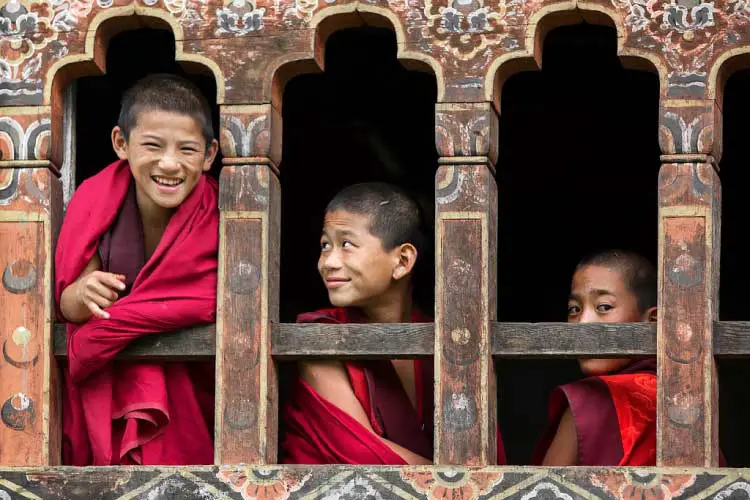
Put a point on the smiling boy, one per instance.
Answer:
(608, 418)
(372, 412)
(137, 255)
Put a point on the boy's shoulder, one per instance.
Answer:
(327, 315)
(98, 186)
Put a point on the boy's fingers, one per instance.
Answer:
(96, 311)
(103, 291)
(113, 281)
(101, 300)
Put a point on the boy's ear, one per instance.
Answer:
(650, 314)
(406, 255)
(211, 150)
(119, 143)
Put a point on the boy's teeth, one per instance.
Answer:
(168, 182)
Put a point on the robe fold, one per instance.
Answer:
(144, 413)
(318, 432)
(614, 416)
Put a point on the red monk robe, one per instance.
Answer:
(138, 413)
(614, 415)
(318, 432)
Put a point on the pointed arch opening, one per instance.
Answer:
(577, 172)
(85, 90)
(365, 118)
(98, 97)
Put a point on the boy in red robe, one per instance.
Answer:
(608, 418)
(364, 412)
(137, 255)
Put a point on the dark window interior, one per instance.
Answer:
(366, 118)
(578, 167)
(734, 403)
(131, 55)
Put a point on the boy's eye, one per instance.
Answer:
(151, 145)
(189, 150)
(573, 310)
(604, 307)
(324, 245)
(347, 244)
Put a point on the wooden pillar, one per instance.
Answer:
(30, 213)
(466, 238)
(248, 289)
(689, 248)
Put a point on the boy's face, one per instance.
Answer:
(356, 269)
(167, 154)
(599, 295)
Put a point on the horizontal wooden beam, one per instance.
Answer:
(573, 340)
(354, 340)
(191, 344)
(294, 482)
(415, 340)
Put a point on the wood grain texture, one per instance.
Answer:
(247, 395)
(29, 418)
(466, 275)
(293, 341)
(689, 247)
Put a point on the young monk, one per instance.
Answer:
(137, 255)
(608, 418)
(371, 412)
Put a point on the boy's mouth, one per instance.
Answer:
(332, 283)
(167, 181)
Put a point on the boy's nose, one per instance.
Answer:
(332, 260)
(169, 162)
(589, 316)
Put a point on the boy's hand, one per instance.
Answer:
(99, 290)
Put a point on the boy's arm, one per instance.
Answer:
(564, 448)
(330, 381)
(88, 295)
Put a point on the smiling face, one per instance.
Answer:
(600, 295)
(167, 154)
(356, 269)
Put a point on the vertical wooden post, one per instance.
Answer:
(30, 209)
(689, 248)
(466, 238)
(248, 290)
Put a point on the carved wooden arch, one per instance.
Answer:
(557, 15)
(252, 133)
(336, 18)
(103, 27)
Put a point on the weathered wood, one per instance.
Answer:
(351, 341)
(29, 416)
(387, 483)
(248, 302)
(291, 341)
(465, 395)
(689, 247)
(191, 344)
(573, 340)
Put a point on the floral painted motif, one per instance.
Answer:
(468, 27)
(262, 484)
(452, 485)
(239, 17)
(23, 31)
(635, 485)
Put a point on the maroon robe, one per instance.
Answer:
(146, 413)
